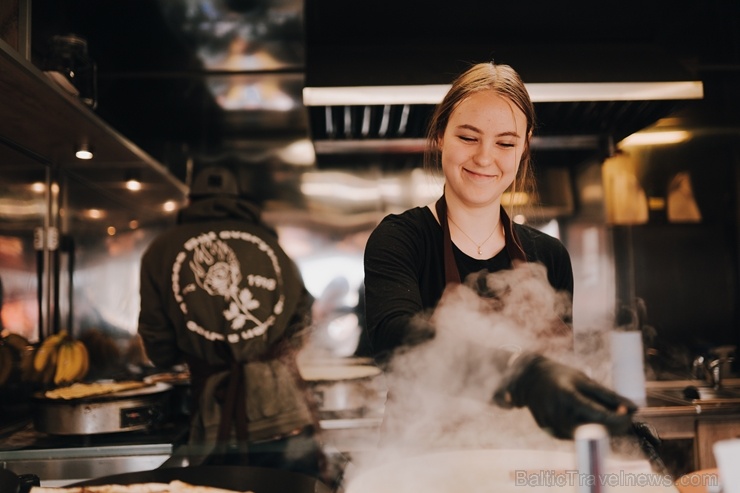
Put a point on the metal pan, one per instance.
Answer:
(237, 478)
(130, 410)
(345, 390)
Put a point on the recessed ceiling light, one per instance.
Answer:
(84, 152)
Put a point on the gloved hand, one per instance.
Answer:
(562, 398)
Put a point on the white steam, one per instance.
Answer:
(440, 392)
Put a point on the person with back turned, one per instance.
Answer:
(480, 136)
(220, 294)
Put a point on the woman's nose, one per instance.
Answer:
(484, 155)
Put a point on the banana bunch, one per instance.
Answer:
(73, 361)
(14, 350)
(61, 360)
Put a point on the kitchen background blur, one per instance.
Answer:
(637, 151)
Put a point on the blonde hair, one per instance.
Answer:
(506, 82)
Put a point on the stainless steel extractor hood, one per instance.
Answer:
(374, 74)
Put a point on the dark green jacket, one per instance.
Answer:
(219, 288)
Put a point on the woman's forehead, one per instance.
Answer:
(489, 108)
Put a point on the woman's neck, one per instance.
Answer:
(476, 231)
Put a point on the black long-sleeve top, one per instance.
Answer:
(404, 271)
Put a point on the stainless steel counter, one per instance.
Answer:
(677, 420)
(62, 466)
(698, 422)
(62, 460)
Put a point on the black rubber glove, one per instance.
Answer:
(562, 398)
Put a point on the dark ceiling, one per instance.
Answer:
(203, 81)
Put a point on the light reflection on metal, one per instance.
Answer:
(133, 185)
(15, 208)
(347, 121)
(417, 145)
(385, 120)
(351, 192)
(341, 192)
(404, 119)
(662, 137)
(515, 199)
(94, 214)
(239, 94)
(169, 206)
(365, 130)
(300, 153)
(264, 40)
(539, 93)
(329, 121)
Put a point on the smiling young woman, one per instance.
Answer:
(420, 262)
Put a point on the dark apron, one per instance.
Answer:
(513, 247)
(231, 395)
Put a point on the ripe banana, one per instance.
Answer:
(6, 363)
(47, 352)
(65, 363)
(84, 360)
(72, 362)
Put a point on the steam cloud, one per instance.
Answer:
(440, 391)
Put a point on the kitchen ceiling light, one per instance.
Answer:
(539, 92)
(133, 181)
(84, 152)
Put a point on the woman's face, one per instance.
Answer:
(481, 148)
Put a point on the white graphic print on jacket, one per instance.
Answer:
(207, 275)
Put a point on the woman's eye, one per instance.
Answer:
(507, 144)
(465, 138)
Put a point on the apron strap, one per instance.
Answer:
(233, 401)
(233, 408)
(452, 274)
(513, 246)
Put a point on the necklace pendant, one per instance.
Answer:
(479, 252)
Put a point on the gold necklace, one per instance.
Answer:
(479, 246)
